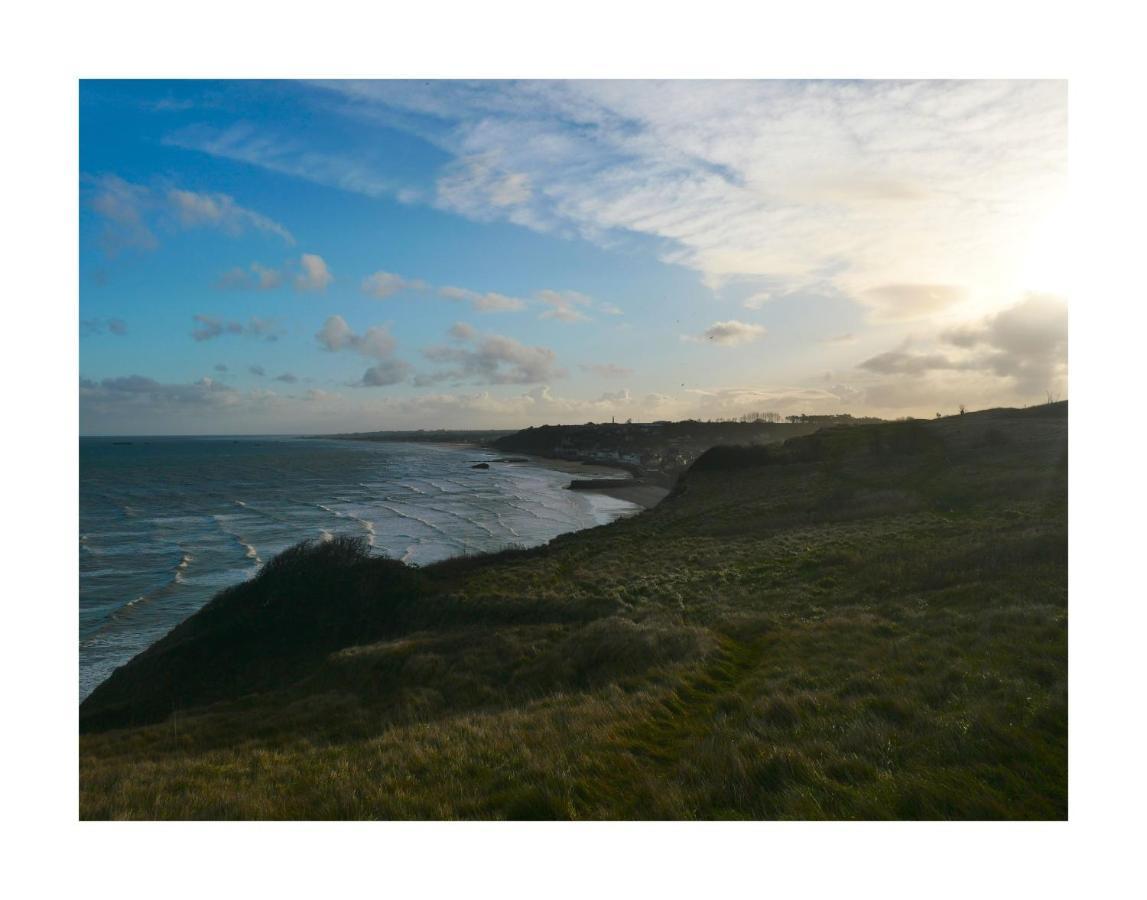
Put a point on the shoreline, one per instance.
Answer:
(628, 488)
(97, 665)
(646, 496)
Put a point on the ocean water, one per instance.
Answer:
(165, 523)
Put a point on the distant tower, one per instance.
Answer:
(613, 420)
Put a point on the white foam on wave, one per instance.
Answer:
(365, 524)
(368, 527)
(417, 506)
(415, 518)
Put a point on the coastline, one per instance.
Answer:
(644, 495)
(628, 488)
(188, 581)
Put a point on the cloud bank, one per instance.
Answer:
(867, 187)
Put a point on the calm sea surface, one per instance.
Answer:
(167, 522)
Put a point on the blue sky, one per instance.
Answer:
(287, 256)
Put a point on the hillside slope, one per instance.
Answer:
(867, 622)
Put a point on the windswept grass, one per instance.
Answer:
(866, 623)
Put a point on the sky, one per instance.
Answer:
(308, 257)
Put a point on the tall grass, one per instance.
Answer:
(826, 630)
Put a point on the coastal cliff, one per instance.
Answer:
(865, 621)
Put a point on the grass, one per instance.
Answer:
(866, 623)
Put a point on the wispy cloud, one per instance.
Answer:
(117, 327)
(197, 210)
(607, 370)
(131, 214)
(124, 207)
(381, 285)
(794, 182)
(565, 306)
(490, 301)
(288, 155)
(210, 327)
(574, 306)
(490, 359)
(729, 333)
(255, 277)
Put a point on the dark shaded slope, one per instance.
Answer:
(306, 602)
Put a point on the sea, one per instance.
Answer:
(165, 523)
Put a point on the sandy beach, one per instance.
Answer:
(628, 489)
(647, 495)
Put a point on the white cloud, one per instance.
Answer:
(1017, 355)
(142, 392)
(487, 302)
(266, 279)
(124, 208)
(862, 184)
(565, 306)
(375, 343)
(387, 372)
(757, 300)
(476, 187)
(210, 327)
(131, 212)
(730, 333)
(491, 359)
(381, 285)
(196, 210)
(255, 277)
(315, 275)
(282, 154)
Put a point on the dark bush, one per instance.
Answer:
(309, 600)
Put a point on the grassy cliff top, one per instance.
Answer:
(866, 622)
